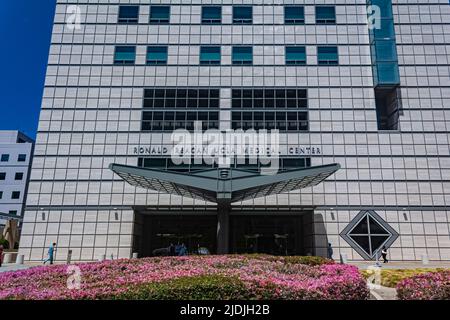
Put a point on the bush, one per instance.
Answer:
(308, 260)
(191, 278)
(206, 287)
(391, 277)
(427, 286)
(4, 243)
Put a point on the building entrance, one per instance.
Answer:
(252, 233)
(275, 235)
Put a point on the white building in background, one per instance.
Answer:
(16, 155)
(369, 110)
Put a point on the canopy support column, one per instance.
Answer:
(223, 228)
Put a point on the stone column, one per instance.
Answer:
(223, 228)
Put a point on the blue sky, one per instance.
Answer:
(25, 31)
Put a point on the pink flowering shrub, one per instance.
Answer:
(427, 286)
(191, 278)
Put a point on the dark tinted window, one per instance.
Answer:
(325, 15)
(125, 55)
(211, 15)
(294, 15)
(128, 14)
(242, 14)
(159, 14)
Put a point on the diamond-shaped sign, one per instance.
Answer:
(367, 233)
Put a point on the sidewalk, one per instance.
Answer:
(384, 293)
(15, 267)
(402, 264)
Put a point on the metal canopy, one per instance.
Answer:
(223, 185)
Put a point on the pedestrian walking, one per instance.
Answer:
(384, 254)
(51, 253)
(330, 251)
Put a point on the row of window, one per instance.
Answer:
(20, 158)
(283, 121)
(18, 176)
(129, 14)
(211, 55)
(269, 98)
(181, 98)
(14, 195)
(167, 164)
(171, 120)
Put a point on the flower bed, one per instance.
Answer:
(191, 278)
(391, 277)
(427, 286)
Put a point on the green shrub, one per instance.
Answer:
(4, 243)
(205, 287)
(391, 277)
(308, 260)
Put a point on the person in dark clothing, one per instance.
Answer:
(183, 251)
(1, 255)
(384, 254)
(330, 251)
(172, 250)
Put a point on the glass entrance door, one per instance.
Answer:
(276, 235)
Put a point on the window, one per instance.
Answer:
(210, 55)
(294, 15)
(327, 56)
(242, 14)
(2, 176)
(271, 109)
(15, 195)
(295, 55)
(172, 120)
(211, 15)
(22, 158)
(325, 15)
(163, 109)
(242, 55)
(5, 158)
(18, 176)
(128, 14)
(159, 14)
(367, 233)
(13, 212)
(160, 98)
(1, 194)
(295, 163)
(125, 55)
(269, 98)
(156, 55)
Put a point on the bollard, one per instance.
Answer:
(344, 258)
(425, 259)
(135, 255)
(8, 257)
(20, 259)
(69, 257)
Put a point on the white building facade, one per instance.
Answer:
(16, 155)
(374, 101)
